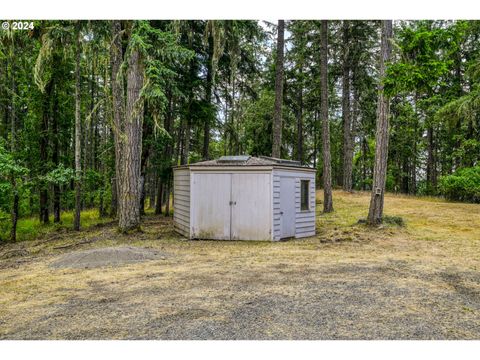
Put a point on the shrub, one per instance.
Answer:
(462, 185)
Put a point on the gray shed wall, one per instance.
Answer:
(304, 220)
(181, 191)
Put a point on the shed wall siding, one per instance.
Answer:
(181, 204)
(304, 220)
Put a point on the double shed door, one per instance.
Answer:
(232, 206)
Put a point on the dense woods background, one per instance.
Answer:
(94, 114)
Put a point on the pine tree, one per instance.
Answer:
(327, 167)
(277, 117)
(375, 213)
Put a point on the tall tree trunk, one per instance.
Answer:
(129, 191)
(431, 171)
(226, 114)
(405, 176)
(413, 187)
(93, 118)
(364, 162)
(78, 131)
(375, 214)
(354, 122)
(232, 118)
(55, 158)
(3, 102)
(101, 206)
(186, 134)
(208, 99)
(13, 119)
(44, 137)
(300, 156)
(147, 130)
(186, 122)
(315, 141)
(114, 201)
(152, 189)
(347, 123)
(14, 214)
(179, 145)
(158, 204)
(90, 159)
(277, 115)
(142, 193)
(167, 196)
(168, 150)
(327, 166)
(118, 107)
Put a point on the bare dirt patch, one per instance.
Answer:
(110, 256)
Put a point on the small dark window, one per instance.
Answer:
(304, 185)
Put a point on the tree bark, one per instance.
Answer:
(4, 103)
(300, 156)
(167, 197)
(431, 168)
(101, 207)
(186, 137)
(188, 121)
(315, 142)
(327, 166)
(118, 102)
(413, 187)
(43, 145)
(78, 131)
(55, 158)
(13, 119)
(14, 214)
(208, 99)
(168, 150)
(347, 123)
(130, 186)
(152, 190)
(277, 115)
(142, 194)
(158, 204)
(147, 130)
(375, 214)
(405, 176)
(114, 202)
(364, 146)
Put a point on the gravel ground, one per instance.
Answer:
(390, 300)
(111, 256)
(349, 282)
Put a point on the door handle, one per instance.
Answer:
(281, 212)
(232, 203)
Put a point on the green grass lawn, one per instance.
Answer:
(30, 228)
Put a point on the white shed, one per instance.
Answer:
(244, 198)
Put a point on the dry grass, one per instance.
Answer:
(419, 281)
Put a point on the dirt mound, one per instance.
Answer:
(110, 256)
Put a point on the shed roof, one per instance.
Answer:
(246, 160)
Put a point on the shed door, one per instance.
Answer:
(211, 206)
(287, 207)
(251, 207)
